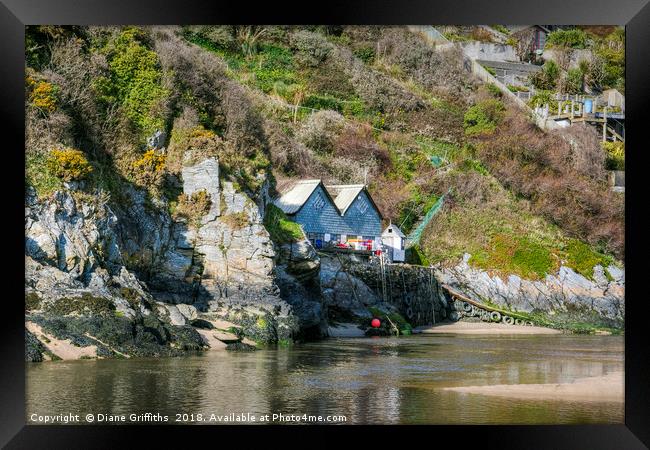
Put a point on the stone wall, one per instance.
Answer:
(352, 283)
(489, 51)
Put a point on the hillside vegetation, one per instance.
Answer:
(339, 103)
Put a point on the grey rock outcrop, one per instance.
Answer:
(224, 265)
(72, 237)
(297, 274)
(344, 291)
(567, 292)
(78, 288)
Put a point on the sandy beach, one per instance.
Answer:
(347, 330)
(483, 328)
(604, 388)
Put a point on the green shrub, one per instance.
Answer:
(615, 155)
(547, 78)
(32, 301)
(329, 80)
(40, 175)
(517, 255)
(280, 228)
(517, 88)
(135, 81)
(582, 258)
(543, 98)
(574, 81)
(354, 108)
(611, 51)
(490, 70)
(221, 35)
(572, 38)
(366, 54)
(320, 102)
(501, 29)
(270, 65)
(494, 90)
(475, 165)
(415, 255)
(264, 68)
(483, 117)
(69, 164)
(397, 319)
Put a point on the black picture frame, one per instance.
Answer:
(634, 14)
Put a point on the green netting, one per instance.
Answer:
(436, 161)
(414, 237)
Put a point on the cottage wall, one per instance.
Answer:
(364, 221)
(319, 215)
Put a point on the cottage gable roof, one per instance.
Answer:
(393, 230)
(295, 197)
(344, 195)
(292, 199)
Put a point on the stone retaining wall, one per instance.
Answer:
(413, 290)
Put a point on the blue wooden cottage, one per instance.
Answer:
(335, 213)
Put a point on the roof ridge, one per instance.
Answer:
(345, 185)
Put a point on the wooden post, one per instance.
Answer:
(559, 107)
(572, 109)
(605, 124)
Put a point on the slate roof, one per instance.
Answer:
(344, 195)
(292, 200)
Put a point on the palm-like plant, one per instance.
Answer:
(247, 37)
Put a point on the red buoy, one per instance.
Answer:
(375, 323)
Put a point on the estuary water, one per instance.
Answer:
(355, 380)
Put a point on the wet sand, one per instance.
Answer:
(64, 349)
(483, 328)
(604, 388)
(210, 339)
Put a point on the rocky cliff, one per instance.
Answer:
(91, 271)
(80, 293)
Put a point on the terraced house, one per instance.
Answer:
(334, 213)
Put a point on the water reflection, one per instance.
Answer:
(367, 380)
